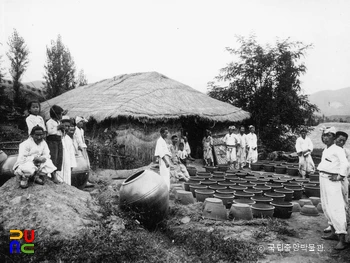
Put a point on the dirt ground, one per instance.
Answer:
(297, 240)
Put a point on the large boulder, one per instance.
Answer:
(56, 211)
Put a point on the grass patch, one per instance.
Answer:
(211, 246)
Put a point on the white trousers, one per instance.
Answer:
(306, 165)
(164, 172)
(231, 154)
(333, 204)
(252, 156)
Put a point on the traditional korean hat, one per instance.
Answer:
(251, 126)
(79, 119)
(330, 130)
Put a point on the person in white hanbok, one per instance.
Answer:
(304, 147)
(333, 170)
(163, 154)
(231, 142)
(68, 161)
(33, 158)
(242, 149)
(252, 145)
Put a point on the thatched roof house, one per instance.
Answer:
(146, 100)
(143, 96)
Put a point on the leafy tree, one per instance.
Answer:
(59, 69)
(264, 81)
(18, 55)
(82, 80)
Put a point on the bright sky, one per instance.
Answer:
(182, 39)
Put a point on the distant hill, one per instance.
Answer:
(36, 88)
(332, 102)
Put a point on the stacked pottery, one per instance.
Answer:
(275, 186)
(184, 197)
(296, 206)
(269, 168)
(208, 183)
(248, 185)
(256, 166)
(226, 198)
(240, 212)
(312, 191)
(262, 210)
(309, 210)
(265, 189)
(217, 187)
(194, 187)
(254, 192)
(282, 209)
(315, 200)
(210, 169)
(262, 199)
(243, 195)
(279, 169)
(191, 170)
(303, 202)
(293, 171)
(276, 196)
(243, 201)
(202, 194)
(288, 194)
(225, 191)
(214, 210)
(238, 188)
(298, 191)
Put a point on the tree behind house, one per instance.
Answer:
(265, 82)
(18, 56)
(59, 69)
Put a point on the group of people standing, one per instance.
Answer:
(241, 148)
(173, 158)
(334, 170)
(51, 147)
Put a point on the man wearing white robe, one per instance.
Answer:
(252, 145)
(304, 147)
(333, 169)
(242, 148)
(163, 154)
(232, 142)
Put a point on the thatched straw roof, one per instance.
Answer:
(143, 96)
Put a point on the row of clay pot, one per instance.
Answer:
(256, 188)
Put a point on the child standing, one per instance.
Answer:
(68, 152)
(54, 139)
(34, 118)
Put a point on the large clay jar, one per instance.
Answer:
(146, 194)
(240, 212)
(80, 173)
(6, 167)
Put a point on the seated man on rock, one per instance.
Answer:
(33, 160)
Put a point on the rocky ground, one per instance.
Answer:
(76, 226)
